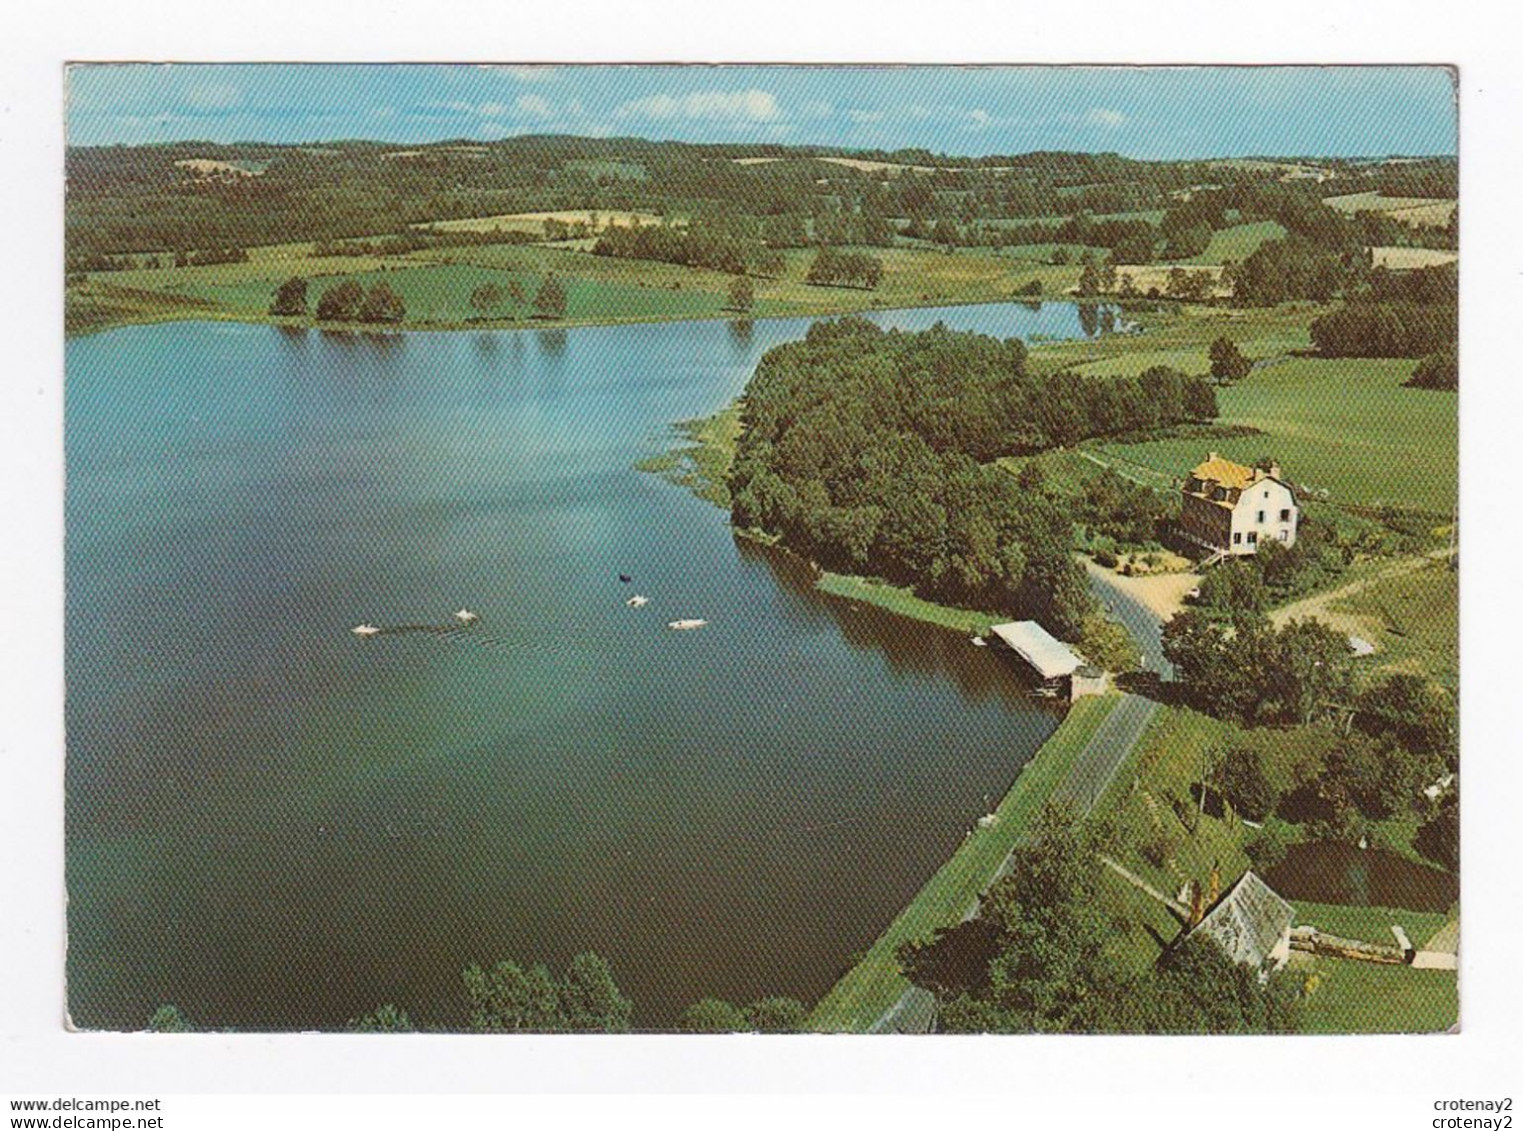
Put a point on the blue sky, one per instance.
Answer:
(1139, 112)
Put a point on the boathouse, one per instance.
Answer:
(1048, 656)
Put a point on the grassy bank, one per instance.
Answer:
(701, 464)
(870, 988)
(903, 602)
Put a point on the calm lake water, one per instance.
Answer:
(275, 824)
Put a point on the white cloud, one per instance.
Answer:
(714, 105)
(533, 105)
(818, 109)
(865, 117)
(488, 109)
(979, 118)
(1100, 116)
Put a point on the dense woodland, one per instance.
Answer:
(137, 201)
(868, 450)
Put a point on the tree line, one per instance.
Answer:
(692, 245)
(349, 301)
(844, 269)
(510, 997)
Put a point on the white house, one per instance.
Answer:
(1234, 509)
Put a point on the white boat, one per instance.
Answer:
(364, 630)
(980, 642)
(465, 616)
(637, 601)
(685, 624)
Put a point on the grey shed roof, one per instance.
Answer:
(1248, 921)
(1039, 648)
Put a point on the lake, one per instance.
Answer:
(276, 824)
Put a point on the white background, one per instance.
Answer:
(1066, 1082)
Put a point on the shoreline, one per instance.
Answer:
(496, 325)
(871, 986)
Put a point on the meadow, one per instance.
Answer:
(1346, 427)
(1418, 211)
(1414, 619)
(436, 284)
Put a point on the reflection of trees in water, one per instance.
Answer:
(552, 343)
(373, 341)
(294, 335)
(487, 344)
(908, 646)
(741, 332)
(1089, 319)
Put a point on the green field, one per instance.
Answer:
(1180, 335)
(871, 987)
(1418, 618)
(1165, 763)
(1364, 997)
(534, 222)
(1237, 243)
(1344, 426)
(436, 285)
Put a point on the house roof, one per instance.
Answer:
(1225, 472)
(1039, 648)
(1248, 922)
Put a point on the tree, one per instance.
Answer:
(1233, 587)
(1412, 712)
(1310, 669)
(742, 293)
(1439, 838)
(386, 1019)
(382, 304)
(290, 298)
(341, 303)
(1242, 779)
(1227, 362)
(590, 1001)
(1437, 371)
(712, 1016)
(169, 1019)
(550, 302)
(776, 1015)
(509, 999)
(486, 298)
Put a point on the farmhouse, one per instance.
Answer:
(1231, 509)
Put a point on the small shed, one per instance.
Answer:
(1049, 656)
(1251, 923)
(1088, 680)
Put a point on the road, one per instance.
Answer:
(1082, 787)
(1102, 756)
(1140, 621)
